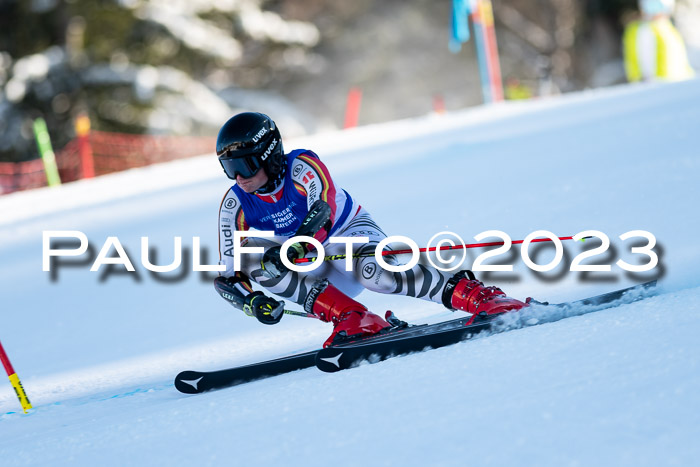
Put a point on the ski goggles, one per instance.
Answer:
(245, 166)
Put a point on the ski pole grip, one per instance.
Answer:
(278, 311)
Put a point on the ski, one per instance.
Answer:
(419, 338)
(399, 341)
(194, 382)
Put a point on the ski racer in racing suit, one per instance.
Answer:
(294, 195)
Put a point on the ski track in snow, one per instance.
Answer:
(613, 387)
(649, 384)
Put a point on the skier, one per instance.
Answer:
(294, 194)
(653, 47)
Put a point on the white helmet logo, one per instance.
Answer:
(259, 135)
(269, 149)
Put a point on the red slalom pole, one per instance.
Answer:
(424, 250)
(14, 380)
(352, 108)
(439, 104)
(471, 245)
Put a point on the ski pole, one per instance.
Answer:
(14, 380)
(300, 313)
(424, 250)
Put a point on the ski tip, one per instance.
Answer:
(188, 382)
(328, 360)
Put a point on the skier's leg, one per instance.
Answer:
(349, 318)
(421, 281)
(464, 292)
(291, 285)
(317, 295)
(460, 291)
(342, 280)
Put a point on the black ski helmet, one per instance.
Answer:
(248, 142)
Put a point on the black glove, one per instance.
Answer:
(267, 310)
(229, 291)
(272, 265)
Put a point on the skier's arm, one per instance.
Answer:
(231, 219)
(237, 291)
(317, 220)
(312, 178)
(234, 286)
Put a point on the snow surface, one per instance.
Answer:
(97, 352)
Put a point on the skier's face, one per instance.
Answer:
(254, 183)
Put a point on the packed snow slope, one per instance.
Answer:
(97, 351)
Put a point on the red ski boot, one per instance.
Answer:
(464, 292)
(349, 318)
